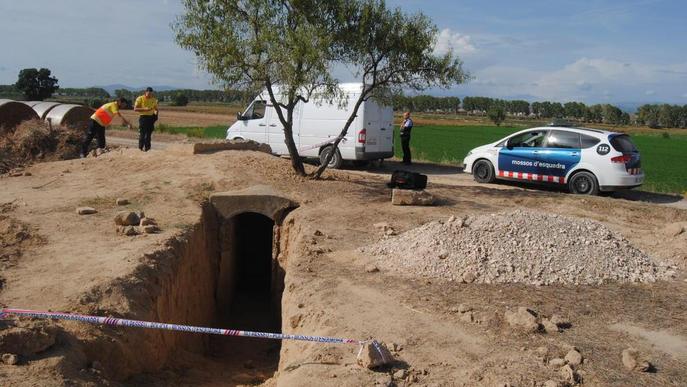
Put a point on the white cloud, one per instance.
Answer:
(586, 79)
(448, 40)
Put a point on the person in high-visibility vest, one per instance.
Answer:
(101, 119)
(146, 106)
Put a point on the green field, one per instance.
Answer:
(663, 159)
(206, 132)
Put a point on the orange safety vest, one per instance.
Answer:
(105, 113)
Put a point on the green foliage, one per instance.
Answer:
(497, 114)
(179, 99)
(662, 116)
(35, 84)
(295, 43)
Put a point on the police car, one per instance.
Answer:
(586, 160)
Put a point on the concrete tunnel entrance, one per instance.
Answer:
(251, 279)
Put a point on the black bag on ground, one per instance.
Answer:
(407, 180)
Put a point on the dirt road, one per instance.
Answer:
(74, 263)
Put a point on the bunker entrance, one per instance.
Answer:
(249, 290)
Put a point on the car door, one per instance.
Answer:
(253, 122)
(561, 153)
(275, 129)
(520, 155)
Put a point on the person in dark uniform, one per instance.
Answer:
(406, 127)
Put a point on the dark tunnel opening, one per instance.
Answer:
(249, 291)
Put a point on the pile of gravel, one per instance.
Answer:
(516, 247)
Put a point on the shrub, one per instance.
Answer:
(179, 99)
(496, 114)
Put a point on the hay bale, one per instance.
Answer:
(43, 108)
(31, 103)
(12, 113)
(73, 116)
(34, 141)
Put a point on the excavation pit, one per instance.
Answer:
(225, 273)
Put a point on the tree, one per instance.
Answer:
(390, 51)
(496, 114)
(179, 99)
(36, 85)
(258, 44)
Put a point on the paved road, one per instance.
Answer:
(453, 175)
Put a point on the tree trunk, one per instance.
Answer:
(296, 161)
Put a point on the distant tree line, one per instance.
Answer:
(654, 116)
(651, 115)
(191, 95)
(662, 116)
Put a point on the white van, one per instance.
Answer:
(317, 124)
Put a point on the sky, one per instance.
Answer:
(594, 51)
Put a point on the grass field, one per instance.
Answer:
(663, 158)
(206, 132)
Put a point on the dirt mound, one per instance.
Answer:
(12, 113)
(34, 141)
(15, 237)
(517, 247)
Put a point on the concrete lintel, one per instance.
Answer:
(260, 199)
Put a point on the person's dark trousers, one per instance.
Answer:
(94, 130)
(146, 125)
(405, 144)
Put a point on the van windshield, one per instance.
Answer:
(256, 110)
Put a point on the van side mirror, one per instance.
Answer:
(509, 144)
(239, 117)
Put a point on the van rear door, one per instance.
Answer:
(378, 122)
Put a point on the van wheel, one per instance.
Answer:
(483, 172)
(336, 160)
(583, 183)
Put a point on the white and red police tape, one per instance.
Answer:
(171, 327)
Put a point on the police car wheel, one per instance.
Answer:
(483, 172)
(335, 162)
(583, 183)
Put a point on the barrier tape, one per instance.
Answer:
(171, 327)
(331, 141)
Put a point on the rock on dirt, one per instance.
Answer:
(122, 202)
(632, 362)
(523, 319)
(27, 341)
(574, 357)
(10, 359)
(407, 197)
(371, 269)
(569, 375)
(148, 222)
(127, 230)
(151, 229)
(549, 326)
(373, 355)
(127, 218)
(557, 362)
(674, 229)
(519, 246)
(86, 211)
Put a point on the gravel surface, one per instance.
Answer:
(516, 247)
